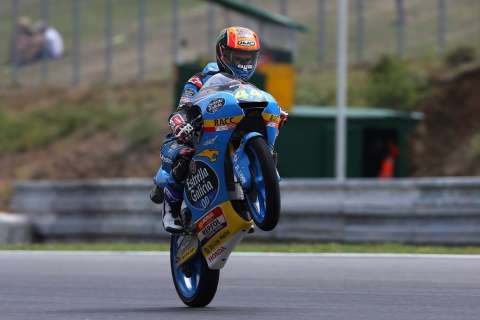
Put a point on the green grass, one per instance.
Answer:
(255, 247)
(38, 128)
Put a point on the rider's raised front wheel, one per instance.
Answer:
(194, 282)
(263, 198)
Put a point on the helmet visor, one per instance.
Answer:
(241, 60)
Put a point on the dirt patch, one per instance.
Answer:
(447, 141)
(124, 149)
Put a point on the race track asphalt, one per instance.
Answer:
(42, 285)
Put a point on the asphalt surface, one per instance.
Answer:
(91, 286)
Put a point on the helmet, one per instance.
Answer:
(237, 51)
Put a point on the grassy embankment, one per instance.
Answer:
(256, 247)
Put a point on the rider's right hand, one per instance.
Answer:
(182, 130)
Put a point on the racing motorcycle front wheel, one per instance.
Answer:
(263, 198)
(194, 282)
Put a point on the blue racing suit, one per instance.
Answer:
(174, 154)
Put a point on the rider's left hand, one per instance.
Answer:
(283, 118)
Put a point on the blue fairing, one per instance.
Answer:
(219, 101)
(274, 109)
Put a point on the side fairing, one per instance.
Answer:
(206, 185)
(271, 116)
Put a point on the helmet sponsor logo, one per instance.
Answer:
(247, 43)
(245, 67)
(215, 105)
(202, 185)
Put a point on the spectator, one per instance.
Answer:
(24, 50)
(49, 40)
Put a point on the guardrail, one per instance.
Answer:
(417, 211)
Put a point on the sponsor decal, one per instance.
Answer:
(216, 253)
(224, 122)
(271, 120)
(189, 92)
(220, 238)
(247, 43)
(196, 81)
(221, 124)
(210, 141)
(166, 159)
(176, 120)
(210, 225)
(202, 185)
(245, 67)
(211, 154)
(215, 105)
(184, 100)
(187, 246)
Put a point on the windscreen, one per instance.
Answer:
(243, 91)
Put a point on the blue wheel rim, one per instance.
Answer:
(258, 207)
(188, 286)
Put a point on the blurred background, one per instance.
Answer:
(95, 105)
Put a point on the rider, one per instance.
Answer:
(237, 51)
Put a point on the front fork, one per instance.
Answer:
(241, 162)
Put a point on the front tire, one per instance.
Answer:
(263, 198)
(197, 287)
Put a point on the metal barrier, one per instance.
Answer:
(417, 211)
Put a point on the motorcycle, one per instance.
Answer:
(232, 183)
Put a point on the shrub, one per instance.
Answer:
(392, 85)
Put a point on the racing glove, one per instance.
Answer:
(181, 129)
(283, 118)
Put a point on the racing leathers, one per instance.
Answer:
(177, 151)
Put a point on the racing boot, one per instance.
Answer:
(171, 211)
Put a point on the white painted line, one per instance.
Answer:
(250, 254)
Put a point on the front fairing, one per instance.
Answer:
(221, 101)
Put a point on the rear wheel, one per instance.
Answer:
(194, 282)
(263, 198)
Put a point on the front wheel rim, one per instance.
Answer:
(257, 206)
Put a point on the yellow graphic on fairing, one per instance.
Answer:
(235, 224)
(187, 249)
(211, 154)
(221, 124)
(250, 94)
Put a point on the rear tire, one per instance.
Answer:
(199, 289)
(263, 164)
